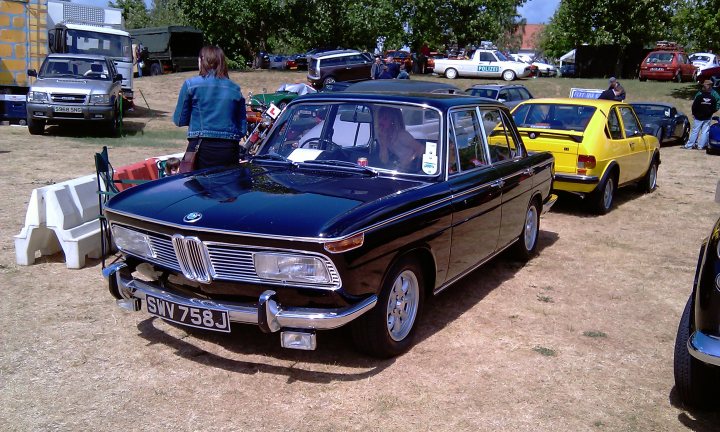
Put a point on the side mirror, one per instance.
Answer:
(502, 100)
(118, 78)
(32, 73)
(673, 112)
(667, 113)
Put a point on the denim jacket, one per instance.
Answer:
(212, 108)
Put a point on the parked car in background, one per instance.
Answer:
(431, 60)
(343, 65)
(168, 49)
(74, 88)
(401, 57)
(508, 94)
(544, 68)
(282, 96)
(482, 63)
(711, 73)
(299, 60)
(568, 70)
(278, 61)
(667, 62)
(663, 121)
(226, 246)
(598, 146)
(697, 345)
(714, 141)
(704, 60)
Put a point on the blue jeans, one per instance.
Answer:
(700, 133)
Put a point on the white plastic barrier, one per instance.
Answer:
(62, 216)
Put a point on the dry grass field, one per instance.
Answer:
(579, 339)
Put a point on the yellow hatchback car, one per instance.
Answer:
(598, 146)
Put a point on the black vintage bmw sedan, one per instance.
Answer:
(355, 209)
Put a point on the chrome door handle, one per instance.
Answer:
(497, 184)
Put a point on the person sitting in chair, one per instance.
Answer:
(394, 147)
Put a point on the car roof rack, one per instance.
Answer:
(668, 45)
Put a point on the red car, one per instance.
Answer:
(401, 57)
(667, 62)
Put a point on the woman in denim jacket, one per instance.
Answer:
(213, 108)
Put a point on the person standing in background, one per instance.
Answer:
(213, 108)
(377, 68)
(705, 103)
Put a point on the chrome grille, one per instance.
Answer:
(68, 98)
(192, 255)
(220, 261)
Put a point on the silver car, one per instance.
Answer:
(74, 88)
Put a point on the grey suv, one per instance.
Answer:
(509, 94)
(340, 65)
(72, 88)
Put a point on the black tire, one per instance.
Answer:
(693, 378)
(113, 125)
(35, 127)
(155, 69)
(604, 196)
(527, 244)
(389, 328)
(643, 79)
(685, 135)
(649, 181)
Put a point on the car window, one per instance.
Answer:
(354, 59)
(554, 116)
(523, 93)
(465, 135)
(505, 95)
(484, 56)
(481, 92)
(502, 142)
(613, 125)
(354, 131)
(332, 61)
(660, 57)
(630, 123)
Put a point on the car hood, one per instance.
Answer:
(74, 85)
(267, 201)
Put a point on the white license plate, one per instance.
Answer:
(191, 316)
(67, 109)
(657, 69)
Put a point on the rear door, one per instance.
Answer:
(509, 158)
(357, 68)
(639, 159)
(477, 193)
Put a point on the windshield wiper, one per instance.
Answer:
(341, 163)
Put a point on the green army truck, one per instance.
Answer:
(168, 49)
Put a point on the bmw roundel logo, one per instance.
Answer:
(192, 217)
(532, 135)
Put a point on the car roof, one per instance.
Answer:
(439, 101)
(600, 103)
(335, 53)
(403, 86)
(663, 104)
(78, 56)
(494, 86)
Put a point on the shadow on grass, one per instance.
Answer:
(686, 92)
(335, 347)
(575, 205)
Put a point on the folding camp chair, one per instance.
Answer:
(107, 188)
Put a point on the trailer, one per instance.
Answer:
(168, 49)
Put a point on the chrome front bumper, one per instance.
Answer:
(705, 348)
(270, 315)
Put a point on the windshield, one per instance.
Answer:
(501, 56)
(660, 57)
(89, 42)
(700, 58)
(649, 111)
(64, 67)
(386, 137)
(553, 116)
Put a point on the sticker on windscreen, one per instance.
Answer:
(429, 163)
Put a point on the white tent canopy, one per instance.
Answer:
(568, 57)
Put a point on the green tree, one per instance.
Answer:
(134, 13)
(696, 24)
(600, 22)
(166, 13)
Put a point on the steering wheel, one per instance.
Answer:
(321, 144)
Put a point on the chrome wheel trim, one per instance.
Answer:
(530, 232)
(451, 73)
(508, 75)
(402, 305)
(608, 193)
